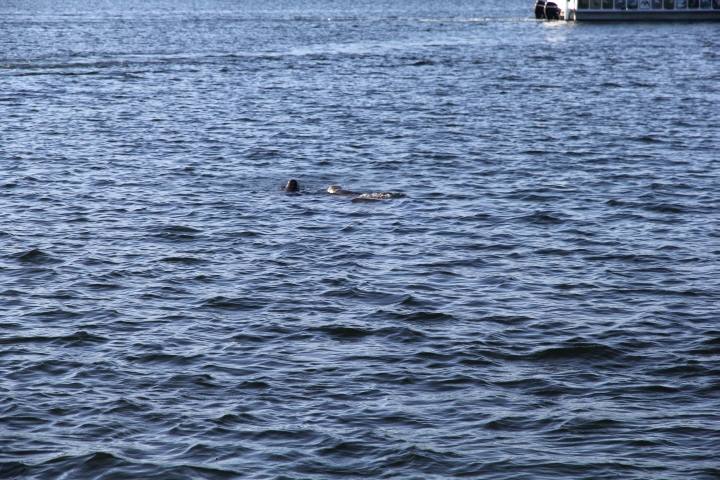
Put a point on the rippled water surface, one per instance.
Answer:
(539, 299)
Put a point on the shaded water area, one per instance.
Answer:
(538, 300)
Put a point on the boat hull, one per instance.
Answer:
(642, 15)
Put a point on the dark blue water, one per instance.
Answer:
(538, 300)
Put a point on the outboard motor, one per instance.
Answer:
(540, 9)
(552, 11)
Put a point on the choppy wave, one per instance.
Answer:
(538, 298)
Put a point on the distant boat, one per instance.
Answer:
(628, 10)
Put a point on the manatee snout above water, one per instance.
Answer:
(361, 197)
(338, 190)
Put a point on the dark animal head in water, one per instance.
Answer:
(292, 186)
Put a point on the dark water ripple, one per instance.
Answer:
(538, 301)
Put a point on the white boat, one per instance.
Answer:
(628, 10)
